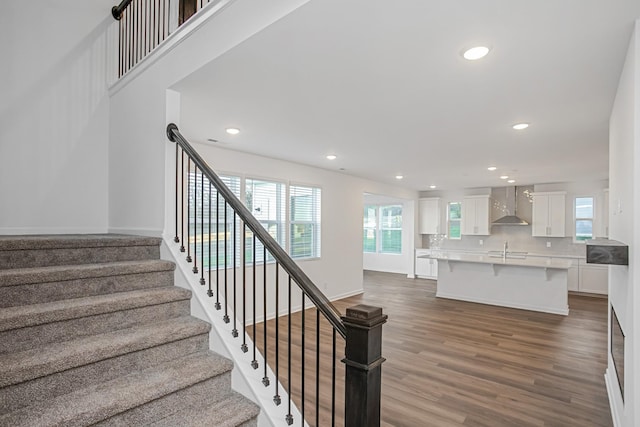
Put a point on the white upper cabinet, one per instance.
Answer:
(429, 216)
(476, 216)
(549, 215)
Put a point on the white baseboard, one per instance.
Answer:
(17, 231)
(148, 232)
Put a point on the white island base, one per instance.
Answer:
(537, 285)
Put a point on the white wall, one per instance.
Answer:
(54, 120)
(338, 272)
(624, 205)
(394, 263)
(138, 110)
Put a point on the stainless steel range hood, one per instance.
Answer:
(511, 219)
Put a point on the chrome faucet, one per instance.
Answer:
(504, 250)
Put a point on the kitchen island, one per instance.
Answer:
(538, 284)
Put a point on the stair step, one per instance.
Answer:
(61, 356)
(47, 250)
(23, 327)
(32, 285)
(132, 392)
(233, 411)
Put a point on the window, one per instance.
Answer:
(266, 201)
(202, 204)
(304, 221)
(369, 240)
(583, 218)
(454, 219)
(391, 229)
(382, 229)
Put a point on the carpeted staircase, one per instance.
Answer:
(92, 331)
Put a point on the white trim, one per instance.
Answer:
(52, 230)
(149, 232)
(615, 410)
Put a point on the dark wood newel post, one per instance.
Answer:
(363, 360)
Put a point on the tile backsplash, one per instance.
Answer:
(519, 238)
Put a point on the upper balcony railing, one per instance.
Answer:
(145, 24)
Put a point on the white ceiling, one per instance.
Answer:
(383, 86)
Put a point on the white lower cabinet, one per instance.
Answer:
(425, 268)
(594, 278)
(573, 276)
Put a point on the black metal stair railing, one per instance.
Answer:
(361, 327)
(144, 24)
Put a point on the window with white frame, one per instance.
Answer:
(370, 235)
(583, 214)
(304, 221)
(266, 200)
(208, 223)
(454, 220)
(382, 229)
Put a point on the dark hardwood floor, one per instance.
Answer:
(452, 363)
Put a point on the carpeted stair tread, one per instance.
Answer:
(230, 412)
(58, 273)
(57, 357)
(67, 241)
(99, 402)
(36, 314)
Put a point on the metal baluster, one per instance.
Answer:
(317, 367)
(254, 362)
(176, 239)
(265, 378)
(202, 281)
(234, 332)
(302, 353)
(244, 286)
(276, 397)
(226, 300)
(289, 417)
(333, 381)
(217, 304)
(188, 209)
(195, 220)
(182, 200)
(209, 291)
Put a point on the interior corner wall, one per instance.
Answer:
(138, 110)
(624, 205)
(54, 116)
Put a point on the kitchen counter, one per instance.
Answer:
(531, 283)
(487, 259)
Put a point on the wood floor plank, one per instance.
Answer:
(453, 363)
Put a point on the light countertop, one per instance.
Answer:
(443, 255)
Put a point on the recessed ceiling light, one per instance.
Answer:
(520, 126)
(511, 181)
(491, 168)
(399, 176)
(432, 187)
(504, 177)
(475, 53)
(331, 157)
(233, 131)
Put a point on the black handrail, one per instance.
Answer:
(116, 11)
(281, 256)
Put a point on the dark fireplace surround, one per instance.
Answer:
(617, 349)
